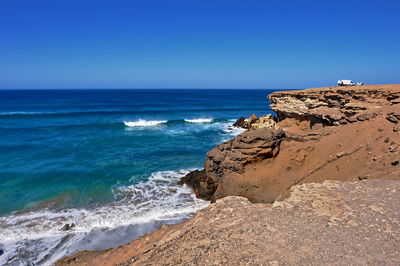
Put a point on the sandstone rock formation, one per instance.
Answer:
(231, 157)
(328, 133)
(333, 223)
(254, 122)
(334, 106)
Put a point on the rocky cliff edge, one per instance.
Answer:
(340, 133)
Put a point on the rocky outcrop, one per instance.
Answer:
(329, 133)
(350, 223)
(254, 122)
(231, 157)
(334, 106)
(197, 180)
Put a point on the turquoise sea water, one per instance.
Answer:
(104, 159)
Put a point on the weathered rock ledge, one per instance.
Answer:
(334, 106)
(321, 134)
(332, 223)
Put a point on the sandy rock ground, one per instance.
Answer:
(331, 223)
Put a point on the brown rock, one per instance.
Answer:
(396, 115)
(393, 147)
(365, 116)
(340, 154)
(252, 119)
(241, 122)
(232, 156)
(351, 119)
(254, 122)
(392, 119)
(267, 121)
(197, 180)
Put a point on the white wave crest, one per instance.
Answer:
(36, 238)
(234, 131)
(199, 120)
(144, 123)
(21, 113)
(231, 130)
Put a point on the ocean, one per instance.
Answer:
(106, 161)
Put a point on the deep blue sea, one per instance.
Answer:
(105, 160)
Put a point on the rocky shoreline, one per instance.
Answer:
(324, 175)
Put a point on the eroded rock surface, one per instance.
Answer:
(332, 223)
(231, 157)
(334, 105)
(254, 122)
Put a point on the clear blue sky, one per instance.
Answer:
(197, 44)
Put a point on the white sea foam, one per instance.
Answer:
(234, 131)
(35, 237)
(20, 113)
(231, 130)
(144, 123)
(199, 120)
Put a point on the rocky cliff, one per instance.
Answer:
(232, 156)
(341, 133)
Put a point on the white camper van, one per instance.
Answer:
(344, 82)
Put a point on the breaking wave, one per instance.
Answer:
(37, 238)
(231, 130)
(144, 123)
(199, 120)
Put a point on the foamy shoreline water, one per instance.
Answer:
(37, 237)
